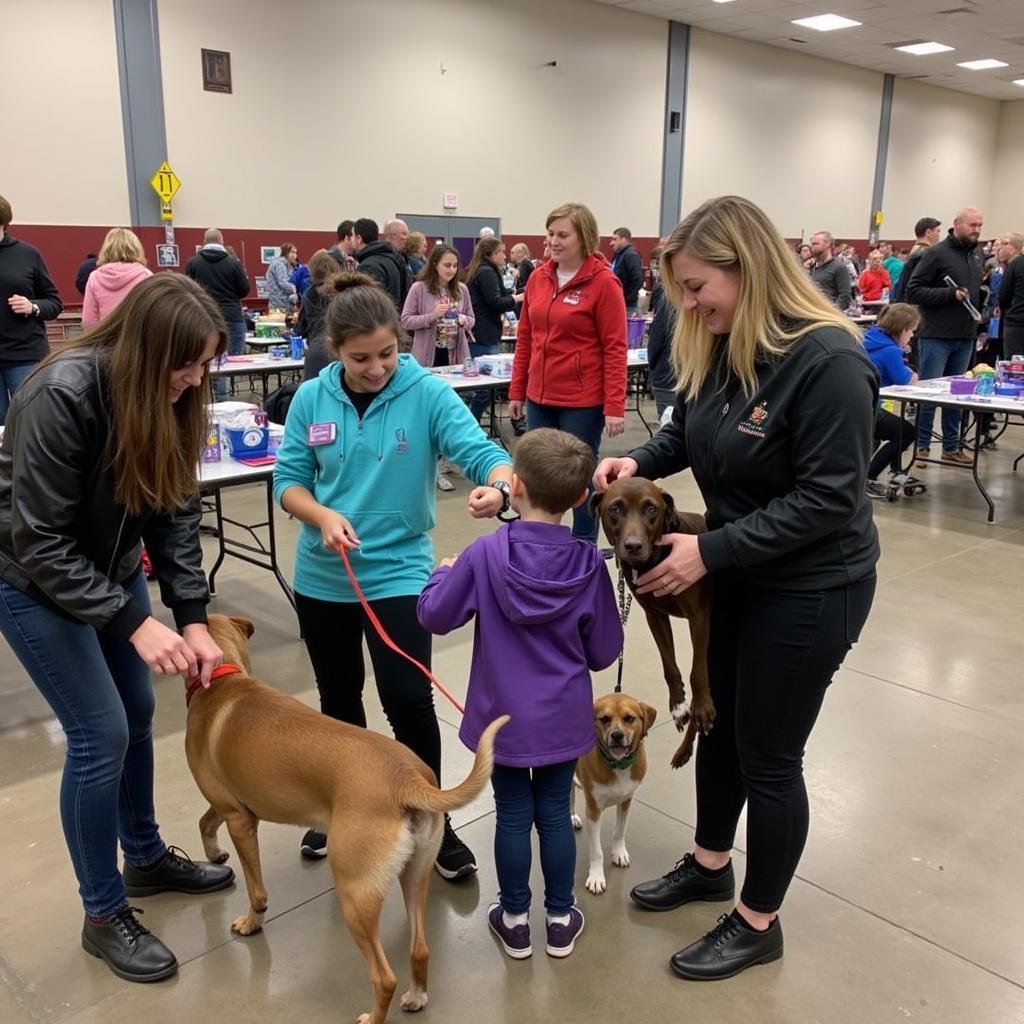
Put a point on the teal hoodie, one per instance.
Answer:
(380, 475)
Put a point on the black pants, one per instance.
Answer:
(333, 634)
(897, 435)
(772, 655)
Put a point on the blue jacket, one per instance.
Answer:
(380, 474)
(300, 277)
(545, 617)
(885, 352)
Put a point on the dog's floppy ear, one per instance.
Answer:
(594, 505)
(649, 715)
(672, 524)
(245, 625)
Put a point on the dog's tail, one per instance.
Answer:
(426, 798)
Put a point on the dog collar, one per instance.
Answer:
(227, 669)
(618, 765)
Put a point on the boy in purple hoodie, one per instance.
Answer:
(545, 617)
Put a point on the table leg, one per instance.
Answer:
(218, 510)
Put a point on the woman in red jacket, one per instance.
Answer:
(874, 279)
(570, 364)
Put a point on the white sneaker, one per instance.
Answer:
(443, 483)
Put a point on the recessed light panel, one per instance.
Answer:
(1018, 81)
(825, 22)
(983, 65)
(923, 49)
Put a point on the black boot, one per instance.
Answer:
(729, 948)
(131, 951)
(176, 872)
(683, 884)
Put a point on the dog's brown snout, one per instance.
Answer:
(633, 545)
(617, 737)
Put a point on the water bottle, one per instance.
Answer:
(449, 327)
(885, 294)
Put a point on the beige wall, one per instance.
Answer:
(795, 134)
(1007, 213)
(62, 152)
(347, 113)
(942, 147)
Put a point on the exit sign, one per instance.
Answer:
(450, 201)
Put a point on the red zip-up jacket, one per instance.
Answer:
(571, 342)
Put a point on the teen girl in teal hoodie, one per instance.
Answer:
(357, 467)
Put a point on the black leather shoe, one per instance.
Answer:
(683, 884)
(176, 872)
(131, 951)
(728, 949)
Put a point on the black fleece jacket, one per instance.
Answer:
(629, 269)
(490, 299)
(942, 315)
(389, 267)
(782, 472)
(1011, 294)
(23, 272)
(223, 277)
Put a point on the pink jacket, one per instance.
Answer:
(107, 286)
(418, 317)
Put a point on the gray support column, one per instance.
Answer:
(881, 156)
(142, 104)
(675, 125)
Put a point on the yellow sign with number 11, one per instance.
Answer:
(165, 182)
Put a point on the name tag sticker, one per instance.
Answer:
(321, 433)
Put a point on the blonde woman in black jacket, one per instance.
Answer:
(774, 416)
(99, 453)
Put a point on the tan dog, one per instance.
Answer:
(635, 513)
(610, 774)
(258, 754)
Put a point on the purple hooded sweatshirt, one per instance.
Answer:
(545, 616)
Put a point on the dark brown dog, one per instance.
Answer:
(635, 514)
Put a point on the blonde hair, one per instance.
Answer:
(583, 221)
(415, 243)
(520, 251)
(777, 305)
(121, 246)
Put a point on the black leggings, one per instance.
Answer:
(333, 633)
(772, 655)
(898, 435)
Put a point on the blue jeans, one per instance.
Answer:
(524, 797)
(942, 357)
(102, 693)
(586, 424)
(236, 347)
(481, 400)
(12, 376)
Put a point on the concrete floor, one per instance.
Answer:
(903, 907)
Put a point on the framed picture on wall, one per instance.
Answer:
(216, 71)
(268, 252)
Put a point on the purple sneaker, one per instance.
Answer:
(562, 937)
(515, 941)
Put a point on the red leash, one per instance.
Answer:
(383, 635)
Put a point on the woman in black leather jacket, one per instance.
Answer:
(100, 452)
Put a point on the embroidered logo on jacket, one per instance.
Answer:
(402, 441)
(573, 298)
(754, 423)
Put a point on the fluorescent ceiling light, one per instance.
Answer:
(825, 22)
(923, 49)
(1018, 81)
(983, 65)
(721, 1)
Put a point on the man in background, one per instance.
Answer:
(831, 275)
(628, 268)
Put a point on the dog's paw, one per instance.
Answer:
(682, 754)
(414, 1000)
(577, 822)
(220, 858)
(248, 924)
(620, 857)
(680, 715)
(704, 715)
(595, 883)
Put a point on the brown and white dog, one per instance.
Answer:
(260, 755)
(609, 776)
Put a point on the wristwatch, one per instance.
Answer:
(35, 309)
(506, 495)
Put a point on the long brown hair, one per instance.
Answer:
(778, 303)
(360, 306)
(163, 324)
(432, 279)
(483, 252)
